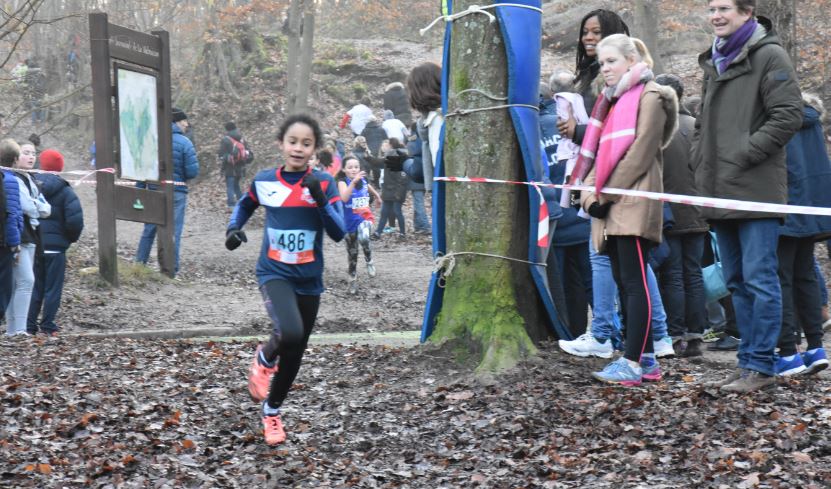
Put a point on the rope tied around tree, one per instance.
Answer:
(444, 264)
(458, 112)
(476, 9)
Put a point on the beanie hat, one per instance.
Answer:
(51, 160)
(388, 115)
(179, 115)
(230, 126)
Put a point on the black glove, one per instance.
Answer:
(599, 211)
(234, 238)
(311, 182)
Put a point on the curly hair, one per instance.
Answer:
(301, 119)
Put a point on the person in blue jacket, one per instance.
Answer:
(185, 167)
(12, 221)
(62, 228)
(301, 203)
(809, 177)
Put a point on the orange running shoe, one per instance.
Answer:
(259, 378)
(273, 430)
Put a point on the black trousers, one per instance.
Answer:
(293, 317)
(628, 255)
(801, 300)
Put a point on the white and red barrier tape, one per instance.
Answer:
(713, 202)
(88, 173)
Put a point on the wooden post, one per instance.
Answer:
(102, 107)
(304, 78)
(165, 242)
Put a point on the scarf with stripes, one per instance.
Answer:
(611, 129)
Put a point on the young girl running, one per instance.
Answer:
(632, 120)
(300, 204)
(355, 191)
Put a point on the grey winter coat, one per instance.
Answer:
(748, 115)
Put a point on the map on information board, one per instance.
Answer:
(138, 126)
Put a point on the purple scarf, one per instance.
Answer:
(725, 50)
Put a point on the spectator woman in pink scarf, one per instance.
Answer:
(632, 120)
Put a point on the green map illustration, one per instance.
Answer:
(138, 124)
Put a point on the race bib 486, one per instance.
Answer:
(291, 246)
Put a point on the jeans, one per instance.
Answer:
(232, 189)
(38, 112)
(750, 264)
(575, 273)
(682, 285)
(49, 279)
(605, 322)
(23, 273)
(6, 278)
(388, 208)
(420, 221)
(180, 203)
(801, 299)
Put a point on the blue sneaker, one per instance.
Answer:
(814, 360)
(651, 372)
(790, 365)
(619, 372)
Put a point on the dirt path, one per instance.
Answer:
(217, 288)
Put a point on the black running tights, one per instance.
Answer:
(628, 255)
(292, 317)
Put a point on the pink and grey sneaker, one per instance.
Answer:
(652, 372)
(620, 372)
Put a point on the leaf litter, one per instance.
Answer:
(170, 413)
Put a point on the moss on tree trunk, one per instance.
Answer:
(489, 303)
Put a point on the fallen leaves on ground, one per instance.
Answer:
(145, 413)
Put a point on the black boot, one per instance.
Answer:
(693, 349)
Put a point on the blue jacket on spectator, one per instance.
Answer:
(809, 178)
(185, 162)
(413, 167)
(571, 228)
(63, 227)
(13, 216)
(548, 131)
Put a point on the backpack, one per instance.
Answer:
(239, 153)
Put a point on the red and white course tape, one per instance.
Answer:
(86, 174)
(712, 202)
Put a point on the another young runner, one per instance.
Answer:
(358, 218)
(300, 204)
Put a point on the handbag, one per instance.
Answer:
(715, 287)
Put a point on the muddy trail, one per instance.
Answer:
(217, 288)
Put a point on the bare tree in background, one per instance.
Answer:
(783, 15)
(647, 22)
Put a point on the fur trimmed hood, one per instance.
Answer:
(669, 99)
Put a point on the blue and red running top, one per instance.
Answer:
(292, 247)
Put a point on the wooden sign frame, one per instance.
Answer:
(145, 53)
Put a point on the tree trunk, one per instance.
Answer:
(304, 78)
(295, 13)
(647, 19)
(482, 313)
(783, 15)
